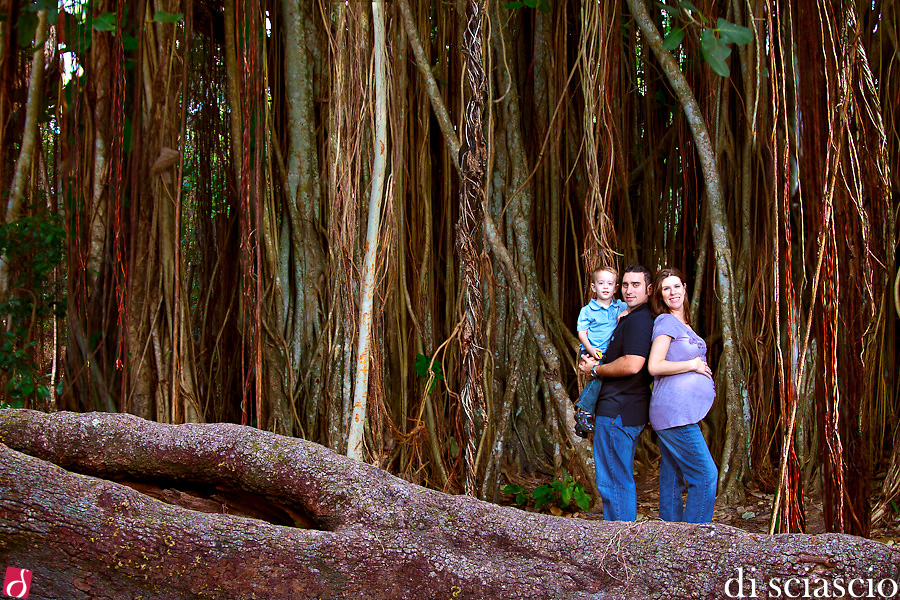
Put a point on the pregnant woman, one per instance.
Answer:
(682, 395)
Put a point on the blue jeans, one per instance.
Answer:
(684, 457)
(587, 400)
(614, 446)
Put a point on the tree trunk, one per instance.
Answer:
(303, 194)
(379, 173)
(325, 526)
(734, 465)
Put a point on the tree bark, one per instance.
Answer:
(440, 111)
(379, 174)
(734, 465)
(302, 306)
(335, 527)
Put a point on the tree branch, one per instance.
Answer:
(431, 87)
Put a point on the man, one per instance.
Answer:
(624, 400)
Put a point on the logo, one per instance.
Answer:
(17, 582)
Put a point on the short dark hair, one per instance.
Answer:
(648, 276)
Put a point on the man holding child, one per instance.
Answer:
(623, 401)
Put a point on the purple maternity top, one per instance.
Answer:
(682, 399)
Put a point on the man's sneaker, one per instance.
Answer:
(584, 423)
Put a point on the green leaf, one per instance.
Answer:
(520, 493)
(105, 22)
(687, 5)
(162, 16)
(669, 9)
(542, 495)
(673, 40)
(421, 366)
(731, 33)
(454, 447)
(514, 5)
(565, 497)
(715, 51)
(581, 498)
(531, 3)
(129, 44)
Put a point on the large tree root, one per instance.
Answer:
(329, 527)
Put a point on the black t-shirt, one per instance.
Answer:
(628, 396)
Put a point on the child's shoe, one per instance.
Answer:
(584, 423)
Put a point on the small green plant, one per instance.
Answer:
(426, 369)
(558, 492)
(521, 494)
(33, 246)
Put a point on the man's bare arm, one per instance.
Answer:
(624, 366)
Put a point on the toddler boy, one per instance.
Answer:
(596, 323)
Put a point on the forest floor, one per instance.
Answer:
(752, 516)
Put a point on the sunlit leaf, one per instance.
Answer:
(731, 33)
(673, 40)
(581, 498)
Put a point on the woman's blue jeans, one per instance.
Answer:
(684, 457)
(614, 446)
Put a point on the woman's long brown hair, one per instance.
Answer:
(657, 304)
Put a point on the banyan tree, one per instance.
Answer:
(368, 224)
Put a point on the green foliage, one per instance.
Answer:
(33, 247)
(37, 240)
(715, 51)
(162, 16)
(541, 5)
(423, 368)
(673, 40)
(558, 492)
(521, 494)
(715, 42)
(105, 22)
(731, 33)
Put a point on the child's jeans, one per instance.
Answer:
(587, 400)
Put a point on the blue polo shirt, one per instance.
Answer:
(599, 322)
